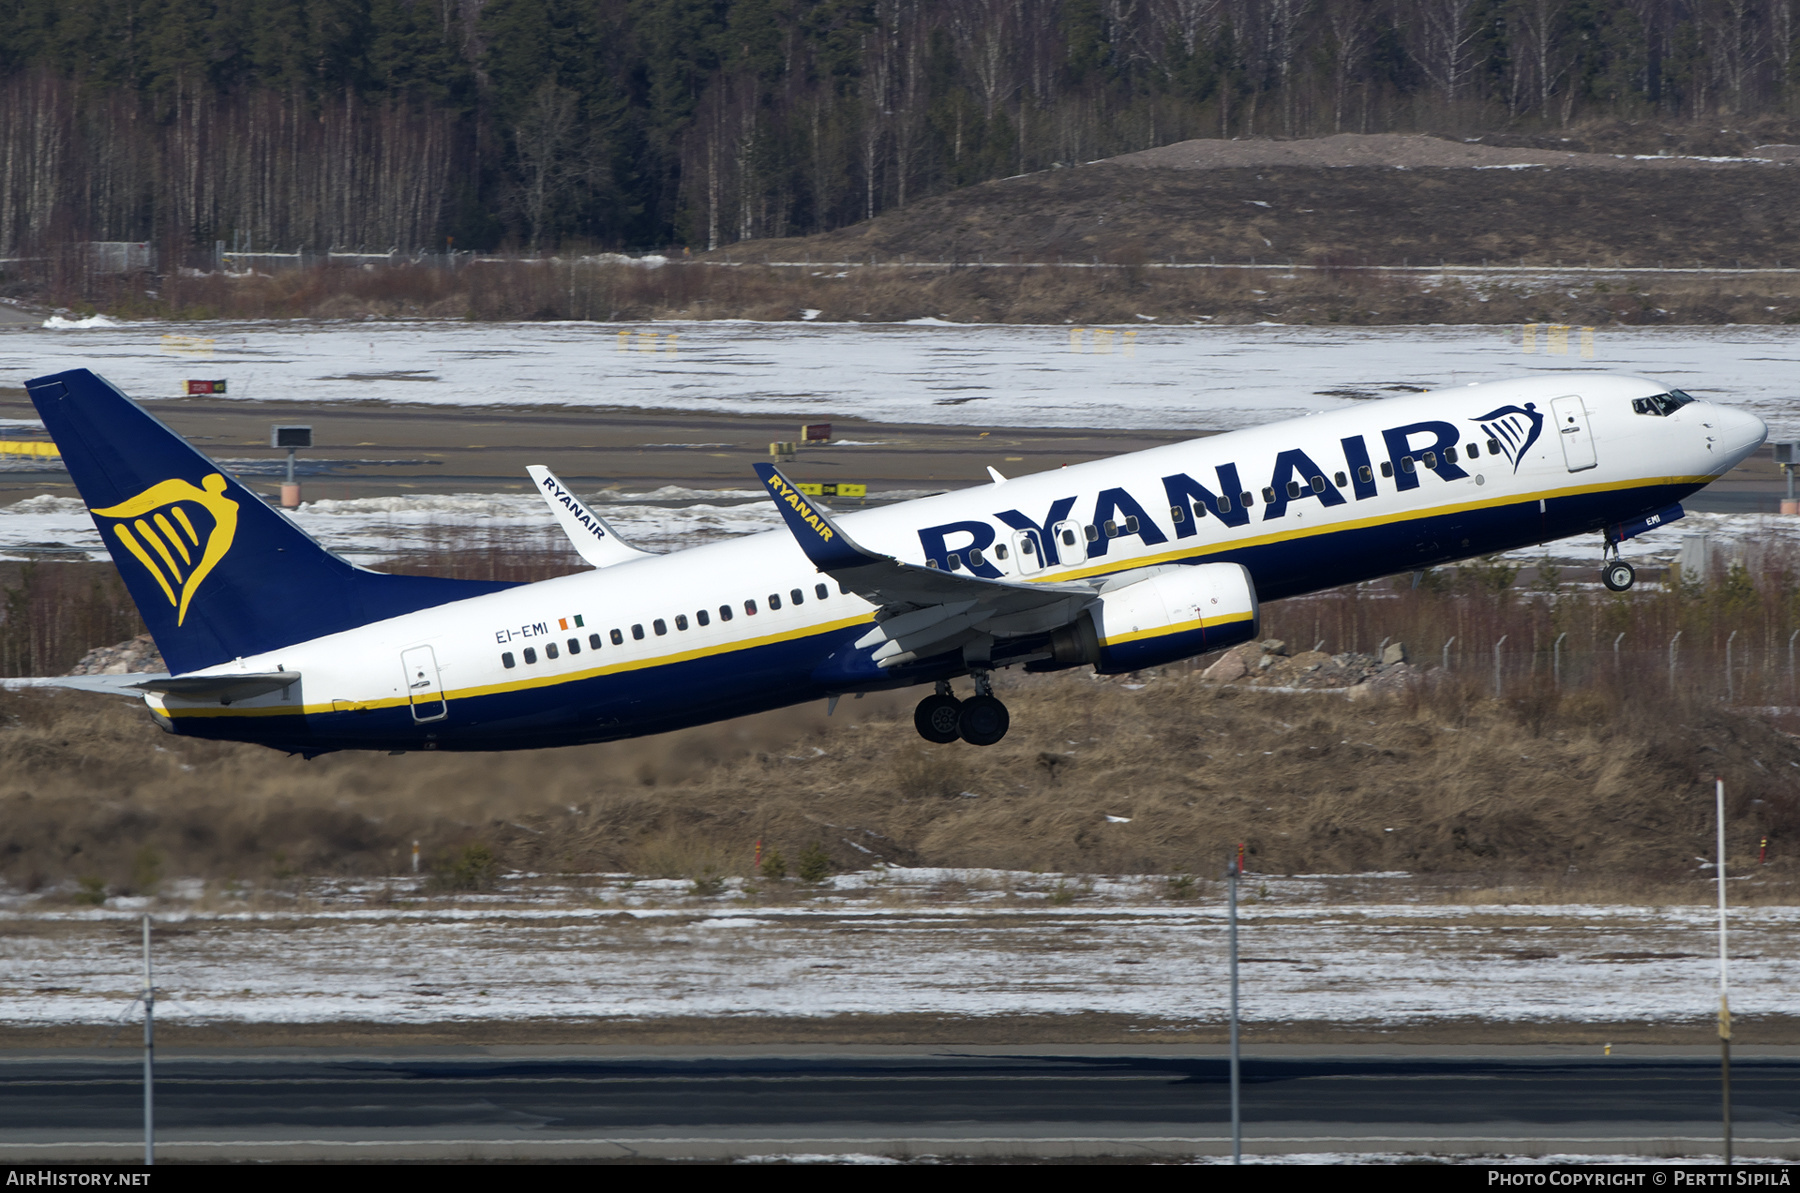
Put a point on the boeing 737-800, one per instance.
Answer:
(1117, 564)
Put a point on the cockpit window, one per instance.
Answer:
(1661, 405)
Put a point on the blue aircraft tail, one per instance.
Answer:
(216, 573)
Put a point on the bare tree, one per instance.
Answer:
(1443, 45)
(1352, 26)
(545, 140)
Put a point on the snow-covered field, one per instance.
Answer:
(1211, 378)
(373, 528)
(1372, 950)
(1199, 377)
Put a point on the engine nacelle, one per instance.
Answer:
(1170, 616)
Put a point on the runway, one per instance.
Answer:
(903, 1102)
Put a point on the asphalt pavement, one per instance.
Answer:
(476, 1103)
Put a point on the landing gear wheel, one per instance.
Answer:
(937, 718)
(1618, 575)
(984, 721)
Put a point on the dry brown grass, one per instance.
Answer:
(1600, 796)
(1329, 293)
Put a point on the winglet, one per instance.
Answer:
(595, 540)
(829, 548)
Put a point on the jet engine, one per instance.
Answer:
(1172, 615)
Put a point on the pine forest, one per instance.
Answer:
(537, 125)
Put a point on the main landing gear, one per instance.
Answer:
(1615, 573)
(981, 720)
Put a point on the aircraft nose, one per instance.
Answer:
(1739, 431)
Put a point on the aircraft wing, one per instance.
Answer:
(592, 536)
(923, 610)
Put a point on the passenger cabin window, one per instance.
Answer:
(1245, 500)
(681, 621)
(1200, 510)
(703, 617)
(1177, 515)
(1471, 451)
(574, 647)
(1406, 464)
(1293, 488)
(1068, 537)
(1112, 529)
(594, 641)
(507, 661)
(1027, 547)
(1224, 503)
(619, 639)
(724, 612)
(1429, 459)
(637, 633)
(549, 650)
(1338, 479)
(1318, 484)
(820, 591)
(975, 560)
(1000, 551)
(775, 597)
(1449, 455)
(750, 607)
(1092, 532)
(1363, 474)
(1493, 446)
(660, 626)
(530, 655)
(1387, 468)
(1269, 495)
(1131, 524)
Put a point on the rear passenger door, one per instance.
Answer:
(424, 690)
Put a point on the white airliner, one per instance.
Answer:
(1116, 564)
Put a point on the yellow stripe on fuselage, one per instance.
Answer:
(523, 684)
(1201, 550)
(1194, 551)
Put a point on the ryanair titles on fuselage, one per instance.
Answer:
(1431, 444)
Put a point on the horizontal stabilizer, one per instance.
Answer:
(110, 685)
(223, 688)
(592, 536)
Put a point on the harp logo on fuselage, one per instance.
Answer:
(178, 531)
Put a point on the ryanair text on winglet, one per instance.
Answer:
(788, 494)
(564, 497)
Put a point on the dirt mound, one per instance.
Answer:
(1418, 151)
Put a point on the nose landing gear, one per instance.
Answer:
(1615, 573)
(981, 720)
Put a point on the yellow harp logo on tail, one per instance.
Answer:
(158, 527)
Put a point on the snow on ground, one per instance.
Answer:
(1212, 378)
(1337, 949)
(370, 529)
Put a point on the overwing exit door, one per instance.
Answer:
(424, 690)
(1572, 428)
